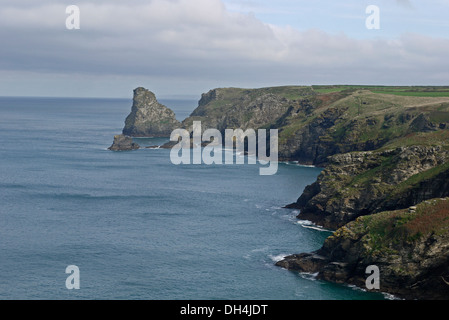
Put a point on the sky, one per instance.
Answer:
(182, 48)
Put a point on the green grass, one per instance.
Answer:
(410, 91)
(328, 90)
(367, 176)
(434, 138)
(439, 116)
(430, 216)
(434, 94)
(387, 229)
(422, 176)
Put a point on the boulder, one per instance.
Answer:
(123, 143)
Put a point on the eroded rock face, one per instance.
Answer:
(123, 143)
(149, 118)
(232, 108)
(410, 248)
(361, 183)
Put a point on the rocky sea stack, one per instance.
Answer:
(149, 118)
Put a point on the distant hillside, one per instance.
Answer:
(318, 121)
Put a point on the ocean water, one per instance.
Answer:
(137, 226)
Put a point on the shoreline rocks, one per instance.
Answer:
(362, 183)
(123, 143)
(411, 250)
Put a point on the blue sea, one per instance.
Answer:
(137, 226)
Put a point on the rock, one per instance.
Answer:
(234, 108)
(422, 123)
(411, 251)
(149, 118)
(312, 125)
(305, 262)
(360, 183)
(123, 143)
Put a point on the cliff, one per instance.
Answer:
(315, 123)
(383, 150)
(235, 108)
(361, 183)
(149, 118)
(410, 247)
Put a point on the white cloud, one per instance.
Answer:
(199, 42)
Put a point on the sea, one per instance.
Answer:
(134, 225)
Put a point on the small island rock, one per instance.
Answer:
(123, 143)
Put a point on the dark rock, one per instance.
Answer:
(305, 262)
(123, 143)
(422, 124)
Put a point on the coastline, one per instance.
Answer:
(404, 162)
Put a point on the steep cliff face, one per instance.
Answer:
(410, 247)
(234, 108)
(149, 118)
(361, 183)
(314, 125)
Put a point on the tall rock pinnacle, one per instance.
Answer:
(149, 118)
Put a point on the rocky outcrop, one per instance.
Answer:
(234, 108)
(123, 143)
(149, 118)
(410, 247)
(307, 144)
(312, 125)
(361, 183)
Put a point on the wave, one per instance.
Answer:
(296, 163)
(310, 225)
(309, 276)
(13, 186)
(386, 295)
(277, 257)
(85, 197)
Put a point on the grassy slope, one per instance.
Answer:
(378, 114)
(386, 114)
(385, 229)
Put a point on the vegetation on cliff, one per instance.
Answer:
(409, 246)
(383, 150)
(316, 122)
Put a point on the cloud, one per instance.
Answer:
(404, 3)
(200, 43)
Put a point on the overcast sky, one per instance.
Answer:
(187, 47)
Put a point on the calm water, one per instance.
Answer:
(137, 226)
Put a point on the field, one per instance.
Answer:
(412, 91)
